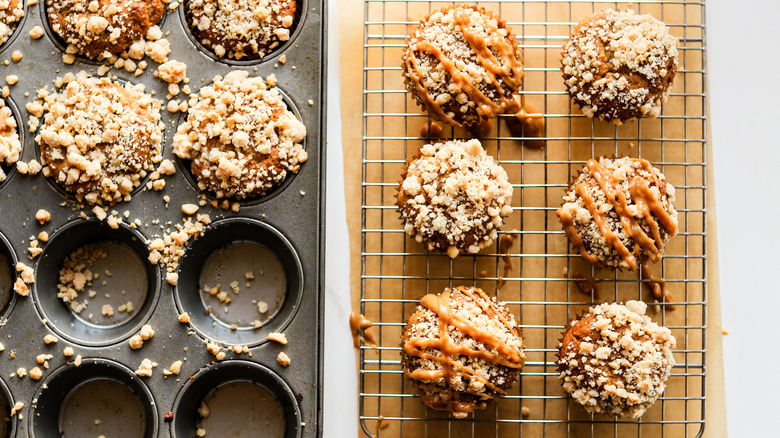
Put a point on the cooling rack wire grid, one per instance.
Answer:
(396, 271)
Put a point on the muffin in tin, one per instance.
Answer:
(239, 29)
(619, 212)
(463, 67)
(619, 66)
(453, 197)
(240, 138)
(615, 360)
(10, 145)
(461, 349)
(102, 28)
(11, 12)
(99, 138)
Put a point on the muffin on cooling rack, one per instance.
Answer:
(453, 196)
(239, 29)
(100, 138)
(615, 360)
(619, 66)
(96, 28)
(463, 67)
(10, 146)
(240, 138)
(619, 213)
(11, 11)
(461, 349)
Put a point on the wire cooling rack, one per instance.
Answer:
(397, 272)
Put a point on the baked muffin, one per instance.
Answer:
(615, 360)
(95, 28)
(239, 29)
(240, 138)
(463, 67)
(10, 146)
(453, 196)
(619, 66)
(11, 12)
(99, 138)
(461, 349)
(619, 212)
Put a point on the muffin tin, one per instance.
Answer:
(282, 232)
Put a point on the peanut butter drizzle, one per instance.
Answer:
(657, 287)
(503, 355)
(647, 205)
(358, 322)
(586, 285)
(509, 70)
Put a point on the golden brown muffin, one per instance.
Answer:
(615, 360)
(619, 213)
(619, 66)
(97, 27)
(461, 349)
(240, 137)
(453, 196)
(10, 145)
(241, 29)
(99, 138)
(11, 12)
(463, 67)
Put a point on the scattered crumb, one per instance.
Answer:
(107, 310)
(16, 56)
(278, 337)
(36, 373)
(50, 339)
(43, 236)
(11, 79)
(67, 352)
(283, 359)
(146, 332)
(136, 342)
(21, 371)
(77, 361)
(184, 318)
(42, 216)
(17, 407)
(525, 411)
(189, 209)
(36, 32)
(145, 369)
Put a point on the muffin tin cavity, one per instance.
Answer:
(116, 287)
(239, 281)
(237, 399)
(7, 422)
(7, 277)
(195, 37)
(99, 397)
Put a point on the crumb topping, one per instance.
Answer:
(11, 11)
(620, 65)
(169, 248)
(10, 145)
(461, 63)
(240, 137)
(619, 212)
(454, 196)
(99, 138)
(241, 29)
(616, 360)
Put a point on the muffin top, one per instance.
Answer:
(10, 145)
(619, 65)
(461, 64)
(619, 213)
(11, 11)
(241, 29)
(240, 137)
(454, 196)
(101, 28)
(475, 359)
(615, 360)
(99, 138)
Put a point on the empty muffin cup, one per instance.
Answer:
(7, 277)
(99, 397)
(239, 281)
(94, 284)
(7, 421)
(239, 399)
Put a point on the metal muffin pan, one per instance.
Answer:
(285, 228)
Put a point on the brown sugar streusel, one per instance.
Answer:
(100, 138)
(463, 67)
(619, 66)
(11, 11)
(454, 196)
(102, 29)
(10, 145)
(240, 138)
(241, 29)
(619, 212)
(615, 360)
(461, 349)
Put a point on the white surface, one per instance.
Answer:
(744, 118)
(744, 96)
